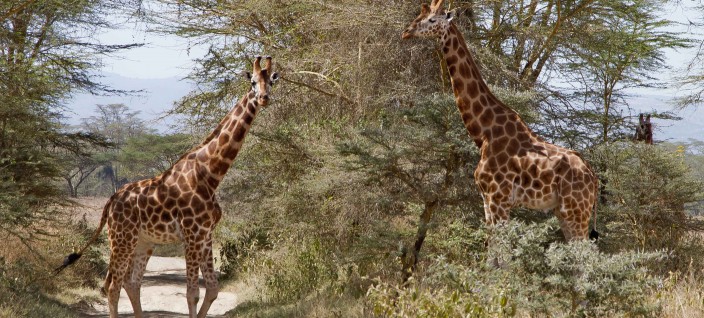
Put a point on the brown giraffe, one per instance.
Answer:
(644, 130)
(517, 167)
(178, 205)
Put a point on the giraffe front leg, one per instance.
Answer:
(496, 213)
(194, 255)
(133, 282)
(211, 280)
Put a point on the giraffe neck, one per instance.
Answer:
(217, 152)
(484, 116)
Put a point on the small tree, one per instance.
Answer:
(148, 154)
(648, 188)
(116, 123)
(422, 157)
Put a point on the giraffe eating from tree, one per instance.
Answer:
(178, 205)
(517, 167)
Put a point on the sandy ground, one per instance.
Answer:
(164, 285)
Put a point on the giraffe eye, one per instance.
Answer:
(254, 83)
(431, 20)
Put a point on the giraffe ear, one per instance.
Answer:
(274, 77)
(449, 15)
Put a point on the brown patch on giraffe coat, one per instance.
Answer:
(473, 89)
(464, 70)
(248, 119)
(486, 118)
(462, 53)
(238, 110)
(451, 60)
(238, 133)
(497, 131)
(224, 139)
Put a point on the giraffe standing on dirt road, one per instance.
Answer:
(178, 205)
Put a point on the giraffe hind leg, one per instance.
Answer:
(135, 274)
(121, 255)
(573, 223)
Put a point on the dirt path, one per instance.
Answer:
(164, 285)
(164, 293)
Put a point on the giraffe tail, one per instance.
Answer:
(73, 257)
(594, 235)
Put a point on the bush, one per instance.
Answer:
(537, 276)
(647, 189)
(304, 269)
(237, 248)
(27, 277)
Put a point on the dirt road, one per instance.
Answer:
(164, 293)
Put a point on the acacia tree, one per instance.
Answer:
(621, 51)
(46, 54)
(693, 80)
(148, 154)
(422, 157)
(78, 159)
(117, 124)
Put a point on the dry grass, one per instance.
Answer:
(89, 207)
(684, 297)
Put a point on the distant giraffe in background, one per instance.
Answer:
(644, 130)
(178, 205)
(517, 167)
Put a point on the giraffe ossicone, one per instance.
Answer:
(178, 205)
(517, 167)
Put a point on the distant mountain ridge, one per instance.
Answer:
(160, 94)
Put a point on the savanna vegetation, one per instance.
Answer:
(362, 137)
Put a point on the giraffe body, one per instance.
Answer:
(516, 167)
(178, 206)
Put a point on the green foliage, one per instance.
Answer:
(241, 246)
(298, 270)
(146, 155)
(648, 187)
(536, 276)
(419, 154)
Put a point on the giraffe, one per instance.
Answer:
(644, 130)
(516, 166)
(178, 205)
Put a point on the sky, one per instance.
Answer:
(165, 60)
(162, 56)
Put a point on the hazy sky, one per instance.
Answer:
(161, 57)
(168, 57)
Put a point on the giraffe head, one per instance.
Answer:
(262, 80)
(432, 22)
(644, 131)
